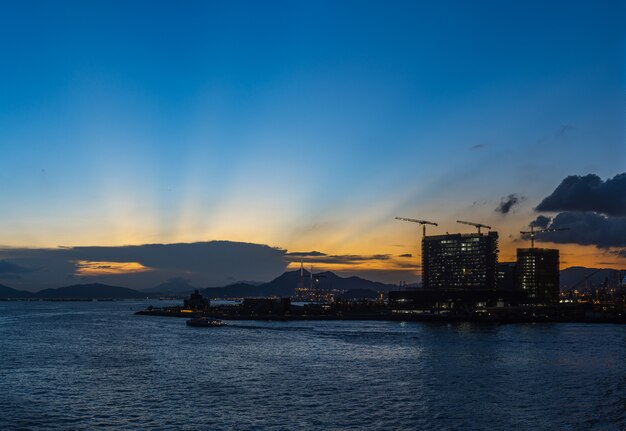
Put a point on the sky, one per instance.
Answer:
(301, 127)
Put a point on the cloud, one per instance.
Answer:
(507, 203)
(407, 265)
(588, 193)
(305, 253)
(619, 252)
(592, 210)
(205, 263)
(341, 259)
(478, 147)
(479, 203)
(565, 129)
(380, 267)
(585, 228)
(213, 263)
(541, 222)
(7, 267)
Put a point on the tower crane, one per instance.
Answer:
(532, 232)
(421, 222)
(476, 225)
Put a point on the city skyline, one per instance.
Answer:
(306, 129)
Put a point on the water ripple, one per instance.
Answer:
(82, 366)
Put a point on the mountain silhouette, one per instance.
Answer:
(8, 292)
(576, 276)
(283, 285)
(286, 283)
(89, 291)
(173, 286)
(236, 290)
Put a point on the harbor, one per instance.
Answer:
(430, 307)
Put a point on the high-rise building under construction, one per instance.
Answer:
(538, 273)
(460, 261)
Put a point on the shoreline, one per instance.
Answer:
(388, 316)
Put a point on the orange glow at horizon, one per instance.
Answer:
(570, 255)
(355, 266)
(96, 268)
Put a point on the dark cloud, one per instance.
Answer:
(196, 257)
(203, 263)
(306, 253)
(586, 228)
(477, 147)
(344, 259)
(588, 193)
(406, 255)
(507, 203)
(565, 129)
(407, 265)
(620, 253)
(479, 203)
(541, 222)
(7, 267)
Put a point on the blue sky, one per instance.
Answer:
(302, 125)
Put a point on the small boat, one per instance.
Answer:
(205, 322)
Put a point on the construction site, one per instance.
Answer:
(462, 280)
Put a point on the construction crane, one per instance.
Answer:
(532, 232)
(476, 225)
(421, 222)
(587, 277)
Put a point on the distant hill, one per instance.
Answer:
(285, 284)
(89, 291)
(334, 281)
(248, 282)
(8, 292)
(174, 286)
(236, 290)
(575, 276)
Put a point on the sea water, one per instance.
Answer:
(84, 365)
